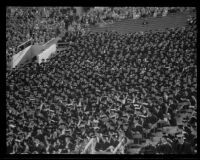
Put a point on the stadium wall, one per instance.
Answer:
(49, 43)
(26, 55)
(18, 58)
(40, 51)
(46, 53)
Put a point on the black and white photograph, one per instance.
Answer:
(101, 80)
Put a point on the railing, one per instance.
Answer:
(62, 44)
(24, 45)
(92, 144)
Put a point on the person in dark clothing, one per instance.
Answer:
(129, 133)
(149, 149)
(101, 145)
(105, 143)
(114, 142)
(172, 113)
(182, 147)
(164, 147)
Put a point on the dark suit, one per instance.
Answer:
(184, 148)
(164, 148)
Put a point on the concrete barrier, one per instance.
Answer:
(46, 53)
(18, 58)
(40, 51)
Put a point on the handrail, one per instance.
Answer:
(24, 43)
(48, 41)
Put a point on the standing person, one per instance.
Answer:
(164, 147)
(181, 146)
(67, 22)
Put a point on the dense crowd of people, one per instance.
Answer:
(98, 15)
(23, 23)
(34, 23)
(39, 25)
(107, 86)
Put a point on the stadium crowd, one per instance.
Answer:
(98, 15)
(105, 85)
(39, 25)
(35, 23)
(24, 23)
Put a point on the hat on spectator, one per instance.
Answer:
(105, 135)
(95, 121)
(96, 128)
(126, 124)
(112, 116)
(68, 135)
(179, 135)
(164, 133)
(92, 135)
(82, 124)
(120, 122)
(103, 116)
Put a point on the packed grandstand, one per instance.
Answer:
(102, 92)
